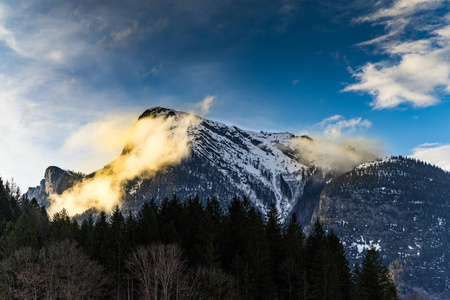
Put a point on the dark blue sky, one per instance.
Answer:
(378, 70)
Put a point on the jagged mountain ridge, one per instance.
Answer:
(224, 161)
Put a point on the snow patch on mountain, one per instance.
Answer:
(249, 157)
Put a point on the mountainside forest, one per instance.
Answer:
(175, 250)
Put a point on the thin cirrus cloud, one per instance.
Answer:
(417, 71)
(433, 153)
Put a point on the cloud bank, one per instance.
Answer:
(417, 70)
(336, 148)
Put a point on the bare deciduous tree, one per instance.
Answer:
(22, 274)
(162, 273)
(59, 271)
(70, 272)
(141, 265)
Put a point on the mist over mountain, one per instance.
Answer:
(399, 206)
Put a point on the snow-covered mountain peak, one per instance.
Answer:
(253, 162)
(225, 161)
(259, 165)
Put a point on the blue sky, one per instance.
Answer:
(341, 69)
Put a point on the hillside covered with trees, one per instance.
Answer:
(176, 250)
(400, 205)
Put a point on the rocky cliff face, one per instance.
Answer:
(37, 192)
(399, 206)
(56, 181)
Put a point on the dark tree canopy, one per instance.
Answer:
(191, 249)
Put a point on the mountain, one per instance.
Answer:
(400, 206)
(397, 205)
(225, 161)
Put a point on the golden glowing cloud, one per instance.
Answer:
(151, 144)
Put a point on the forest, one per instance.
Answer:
(176, 249)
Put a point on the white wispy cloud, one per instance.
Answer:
(434, 153)
(402, 8)
(206, 103)
(43, 99)
(49, 38)
(336, 126)
(417, 71)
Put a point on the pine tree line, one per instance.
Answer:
(177, 250)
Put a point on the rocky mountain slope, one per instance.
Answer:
(401, 207)
(225, 161)
(398, 205)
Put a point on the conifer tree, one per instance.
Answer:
(190, 230)
(100, 246)
(118, 248)
(236, 234)
(258, 249)
(274, 238)
(314, 273)
(131, 227)
(9, 208)
(209, 234)
(84, 237)
(61, 227)
(389, 289)
(170, 220)
(293, 266)
(25, 233)
(356, 276)
(234, 244)
(147, 223)
(337, 279)
(374, 281)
